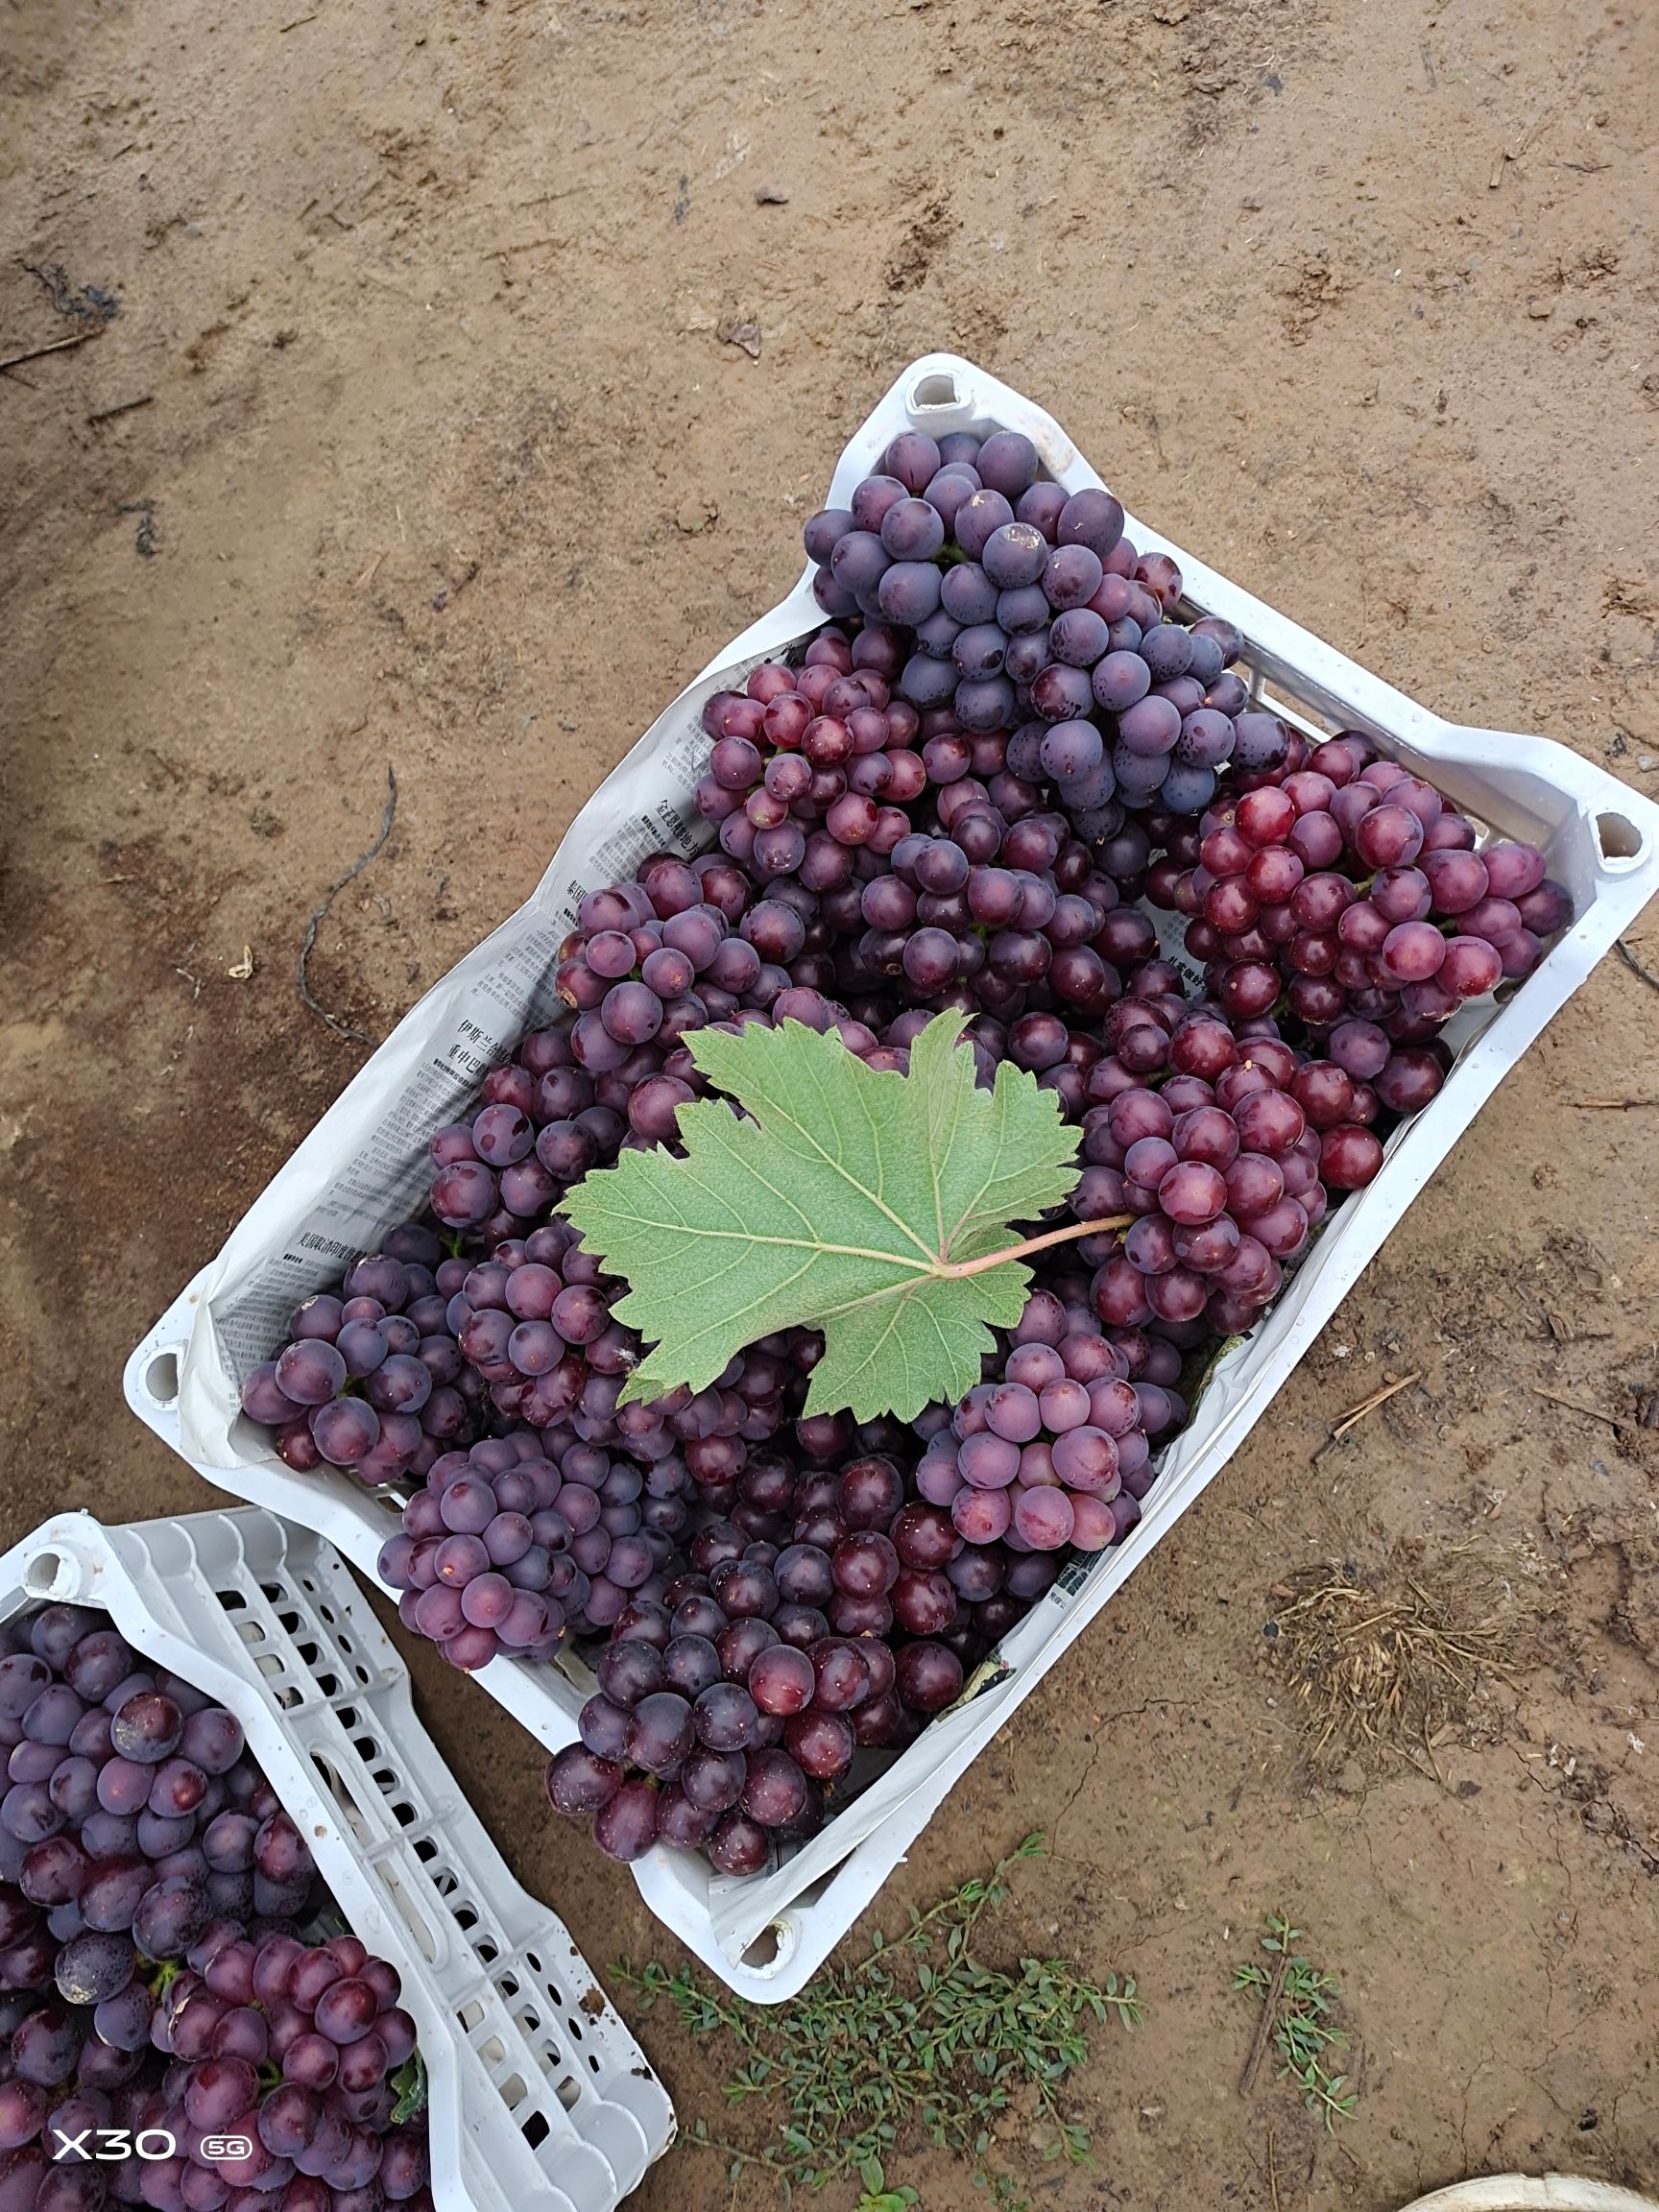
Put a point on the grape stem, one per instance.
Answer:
(951, 1270)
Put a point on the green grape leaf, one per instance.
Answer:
(841, 1198)
(410, 2083)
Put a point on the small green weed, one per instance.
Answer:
(1296, 1998)
(920, 2039)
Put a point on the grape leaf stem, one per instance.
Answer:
(954, 1269)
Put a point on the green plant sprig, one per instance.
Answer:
(919, 2039)
(1303, 2032)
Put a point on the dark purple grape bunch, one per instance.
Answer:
(1030, 610)
(729, 1705)
(505, 1546)
(744, 946)
(650, 960)
(1006, 917)
(366, 1381)
(1049, 1451)
(533, 1327)
(1177, 697)
(299, 2048)
(525, 1336)
(1221, 1155)
(132, 1809)
(538, 1127)
(1349, 887)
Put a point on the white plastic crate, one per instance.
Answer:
(363, 1169)
(538, 2100)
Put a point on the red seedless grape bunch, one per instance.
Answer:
(154, 1972)
(1011, 777)
(1348, 888)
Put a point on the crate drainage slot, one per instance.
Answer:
(772, 1948)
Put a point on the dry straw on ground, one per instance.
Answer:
(1392, 1662)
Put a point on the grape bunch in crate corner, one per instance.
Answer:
(167, 1975)
(965, 795)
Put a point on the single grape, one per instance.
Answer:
(1091, 517)
(925, 1604)
(725, 1719)
(820, 1744)
(345, 2010)
(825, 531)
(869, 1492)
(56, 1870)
(279, 1850)
(1349, 1156)
(22, 1678)
(713, 1781)
(843, 1677)
(1042, 1518)
(1412, 951)
(94, 1967)
(775, 1788)
(628, 1672)
(865, 1564)
(111, 1894)
(1409, 1080)
(46, 2048)
(1086, 1460)
(147, 1728)
(219, 2091)
(781, 1680)
(23, 2110)
(625, 1827)
(929, 1675)
(1192, 1193)
(346, 1431)
(310, 1372)
(122, 2021)
(170, 1917)
(1470, 967)
(740, 1845)
(922, 1536)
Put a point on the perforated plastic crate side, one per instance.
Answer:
(388, 1784)
(510, 1938)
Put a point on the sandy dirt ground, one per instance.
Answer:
(415, 442)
